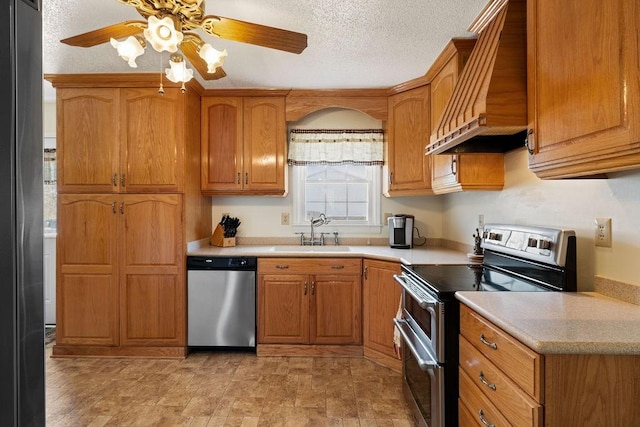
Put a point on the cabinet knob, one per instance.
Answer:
(313, 288)
(305, 288)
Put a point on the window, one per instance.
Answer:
(337, 173)
(349, 195)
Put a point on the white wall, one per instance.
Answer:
(260, 216)
(572, 204)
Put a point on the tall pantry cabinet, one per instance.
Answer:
(128, 201)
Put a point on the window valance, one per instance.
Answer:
(336, 147)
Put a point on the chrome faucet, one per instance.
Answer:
(315, 222)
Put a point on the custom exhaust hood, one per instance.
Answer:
(487, 112)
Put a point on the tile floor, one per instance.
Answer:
(223, 389)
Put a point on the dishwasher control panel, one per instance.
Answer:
(221, 263)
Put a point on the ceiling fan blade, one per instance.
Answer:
(103, 35)
(190, 50)
(261, 35)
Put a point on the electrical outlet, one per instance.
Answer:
(603, 232)
(284, 218)
(480, 221)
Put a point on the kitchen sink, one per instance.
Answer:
(320, 249)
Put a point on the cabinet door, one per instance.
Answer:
(221, 148)
(584, 92)
(88, 124)
(409, 130)
(444, 171)
(152, 148)
(443, 165)
(335, 309)
(152, 280)
(381, 297)
(87, 279)
(283, 309)
(264, 145)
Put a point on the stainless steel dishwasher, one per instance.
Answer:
(221, 301)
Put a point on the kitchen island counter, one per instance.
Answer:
(422, 255)
(562, 322)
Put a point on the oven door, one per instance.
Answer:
(426, 311)
(423, 376)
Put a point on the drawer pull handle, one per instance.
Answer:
(337, 267)
(487, 343)
(483, 420)
(282, 267)
(484, 381)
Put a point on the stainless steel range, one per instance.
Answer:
(516, 258)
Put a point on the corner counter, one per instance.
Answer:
(561, 322)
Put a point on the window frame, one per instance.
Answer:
(301, 224)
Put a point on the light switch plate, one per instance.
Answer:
(603, 232)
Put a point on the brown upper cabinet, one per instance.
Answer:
(114, 140)
(409, 171)
(243, 145)
(458, 172)
(583, 87)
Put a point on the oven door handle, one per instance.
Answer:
(424, 303)
(425, 360)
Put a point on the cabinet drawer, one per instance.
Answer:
(310, 266)
(478, 405)
(518, 362)
(515, 405)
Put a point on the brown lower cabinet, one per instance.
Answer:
(309, 301)
(504, 382)
(380, 299)
(120, 275)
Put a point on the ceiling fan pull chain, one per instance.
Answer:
(161, 89)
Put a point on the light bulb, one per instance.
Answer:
(214, 58)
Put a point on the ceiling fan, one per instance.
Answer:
(169, 25)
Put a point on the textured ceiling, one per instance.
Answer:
(351, 44)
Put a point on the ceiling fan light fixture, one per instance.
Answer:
(129, 49)
(178, 71)
(162, 34)
(213, 57)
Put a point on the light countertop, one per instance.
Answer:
(562, 322)
(418, 255)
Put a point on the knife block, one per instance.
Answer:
(218, 239)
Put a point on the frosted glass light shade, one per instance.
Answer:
(178, 71)
(128, 50)
(162, 34)
(214, 58)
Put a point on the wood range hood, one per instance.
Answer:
(487, 112)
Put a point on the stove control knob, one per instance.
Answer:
(532, 243)
(495, 236)
(544, 244)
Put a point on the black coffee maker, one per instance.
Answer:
(401, 231)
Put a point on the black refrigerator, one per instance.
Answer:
(21, 223)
